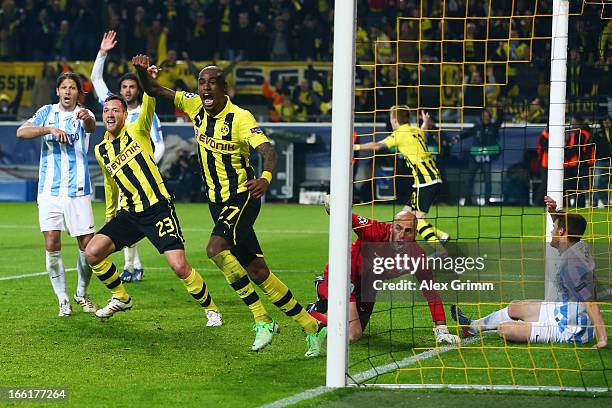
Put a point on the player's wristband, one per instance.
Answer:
(267, 175)
(357, 147)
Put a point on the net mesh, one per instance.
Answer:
(454, 59)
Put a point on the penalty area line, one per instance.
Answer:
(365, 375)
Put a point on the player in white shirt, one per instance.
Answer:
(64, 186)
(131, 90)
(574, 316)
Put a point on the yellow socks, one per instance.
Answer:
(107, 273)
(238, 279)
(196, 286)
(427, 231)
(282, 298)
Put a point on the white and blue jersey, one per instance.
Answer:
(575, 286)
(63, 170)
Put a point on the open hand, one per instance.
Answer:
(108, 41)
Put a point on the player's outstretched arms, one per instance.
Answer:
(30, 131)
(258, 187)
(371, 146)
(149, 84)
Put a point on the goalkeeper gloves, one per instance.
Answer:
(443, 336)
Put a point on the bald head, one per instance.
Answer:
(404, 227)
(212, 71)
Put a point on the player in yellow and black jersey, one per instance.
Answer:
(126, 157)
(410, 142)
(225, 133)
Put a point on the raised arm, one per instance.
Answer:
(149, 84)
(97, 72)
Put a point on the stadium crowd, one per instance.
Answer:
(302, 30)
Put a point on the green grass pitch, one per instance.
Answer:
(160, 353)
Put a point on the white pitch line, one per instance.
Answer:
(29, 275)
(365, 375)
(190, 229)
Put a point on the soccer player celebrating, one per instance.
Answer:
(130, 89)
(573, 317)
(410, 142)
(64, 187)
(126, 158)
(225, 133)
(402, 233)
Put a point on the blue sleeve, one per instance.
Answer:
(156, 132)
(577, 281)
(40, 116)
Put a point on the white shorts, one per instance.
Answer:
(548, 329)
(71, 214)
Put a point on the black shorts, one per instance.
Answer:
(424, 197)
(234, 220)
(158, 223)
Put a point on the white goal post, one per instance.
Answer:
(341, 169)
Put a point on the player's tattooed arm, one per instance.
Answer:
(258, 187)
(268, 152)
(149, 84)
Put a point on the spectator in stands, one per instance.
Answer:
(279, 43)
(603, 163)
(486, 146)
(62, 46)
(43, 91)
(8, 108)
(579, 156)
(542, 150)
(307, 99)
(473, 96)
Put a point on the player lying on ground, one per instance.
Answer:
(225, 134)
(573, 317)
(410, 142)
(64, 187)
(402, 230)
(126, 158)
(130, 89)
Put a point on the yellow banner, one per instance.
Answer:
(246, 77)
(14, 73)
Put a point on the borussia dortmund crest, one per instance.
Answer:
(225, 130)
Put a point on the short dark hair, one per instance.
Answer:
(70, 75)
(113, 97)
(130, 76)
(574, 224)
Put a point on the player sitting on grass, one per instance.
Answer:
(573, 317)
(401, 231)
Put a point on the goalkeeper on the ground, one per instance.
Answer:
(573, 317)
(402, 231)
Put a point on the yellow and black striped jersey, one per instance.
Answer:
(128, 165)
(224, 143)
(410, 142)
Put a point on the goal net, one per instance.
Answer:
(482, 71)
